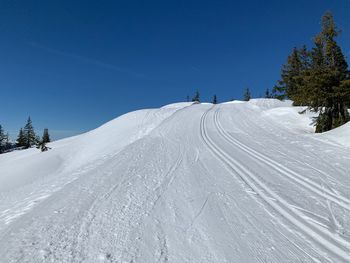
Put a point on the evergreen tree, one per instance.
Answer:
(267, 94)
(319, 78)
(327, 88)
(215, 100)
(20, 142)
(188, 98)
(46, 136)
(292, 76)
(278, 93)
(247, 95)
(196, 97)
(45, 139)
(30, 137)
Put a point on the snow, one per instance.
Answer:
(233, 102)
(339, 135)
(233, 182)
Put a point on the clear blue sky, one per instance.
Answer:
(73, 65)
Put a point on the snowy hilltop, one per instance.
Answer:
(232, 182)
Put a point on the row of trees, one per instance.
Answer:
(246, 96)
(319, 78)
(26, 138)
(196, 98)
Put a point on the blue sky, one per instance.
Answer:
(73, 65)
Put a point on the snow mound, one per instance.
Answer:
(270, 103)
(234, 102)
(340, 135)
(178, 105)
(291, 118)
(82, 150)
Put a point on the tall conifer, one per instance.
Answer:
(20, 142)
(46, 136)
(319, 78)
(326, 85)
(30, 137)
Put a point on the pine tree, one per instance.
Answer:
(276, 93)
(215, 100)
(267, 94)
(292, 76)
(46, 136)
(327, 86)
(44, 140)
(30, 137)
(20, 142)
(319, 78)
(246, 95)
(196, 97)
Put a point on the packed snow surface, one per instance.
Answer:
(233, 182)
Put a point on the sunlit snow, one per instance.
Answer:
(233, 182)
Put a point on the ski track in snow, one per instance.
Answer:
(299, 179)
(336, 245)
(186, 186)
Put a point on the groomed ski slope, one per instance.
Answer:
(233, 182)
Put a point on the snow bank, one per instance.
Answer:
(178, 105)
(234, 102)
(291, 118)
(270, 103)
(81, 150)
(340, 135)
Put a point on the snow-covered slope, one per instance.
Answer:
(234, 182)
(339, 135)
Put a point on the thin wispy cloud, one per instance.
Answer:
(84, 59)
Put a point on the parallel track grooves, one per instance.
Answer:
(292, 175)
(337, 246)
